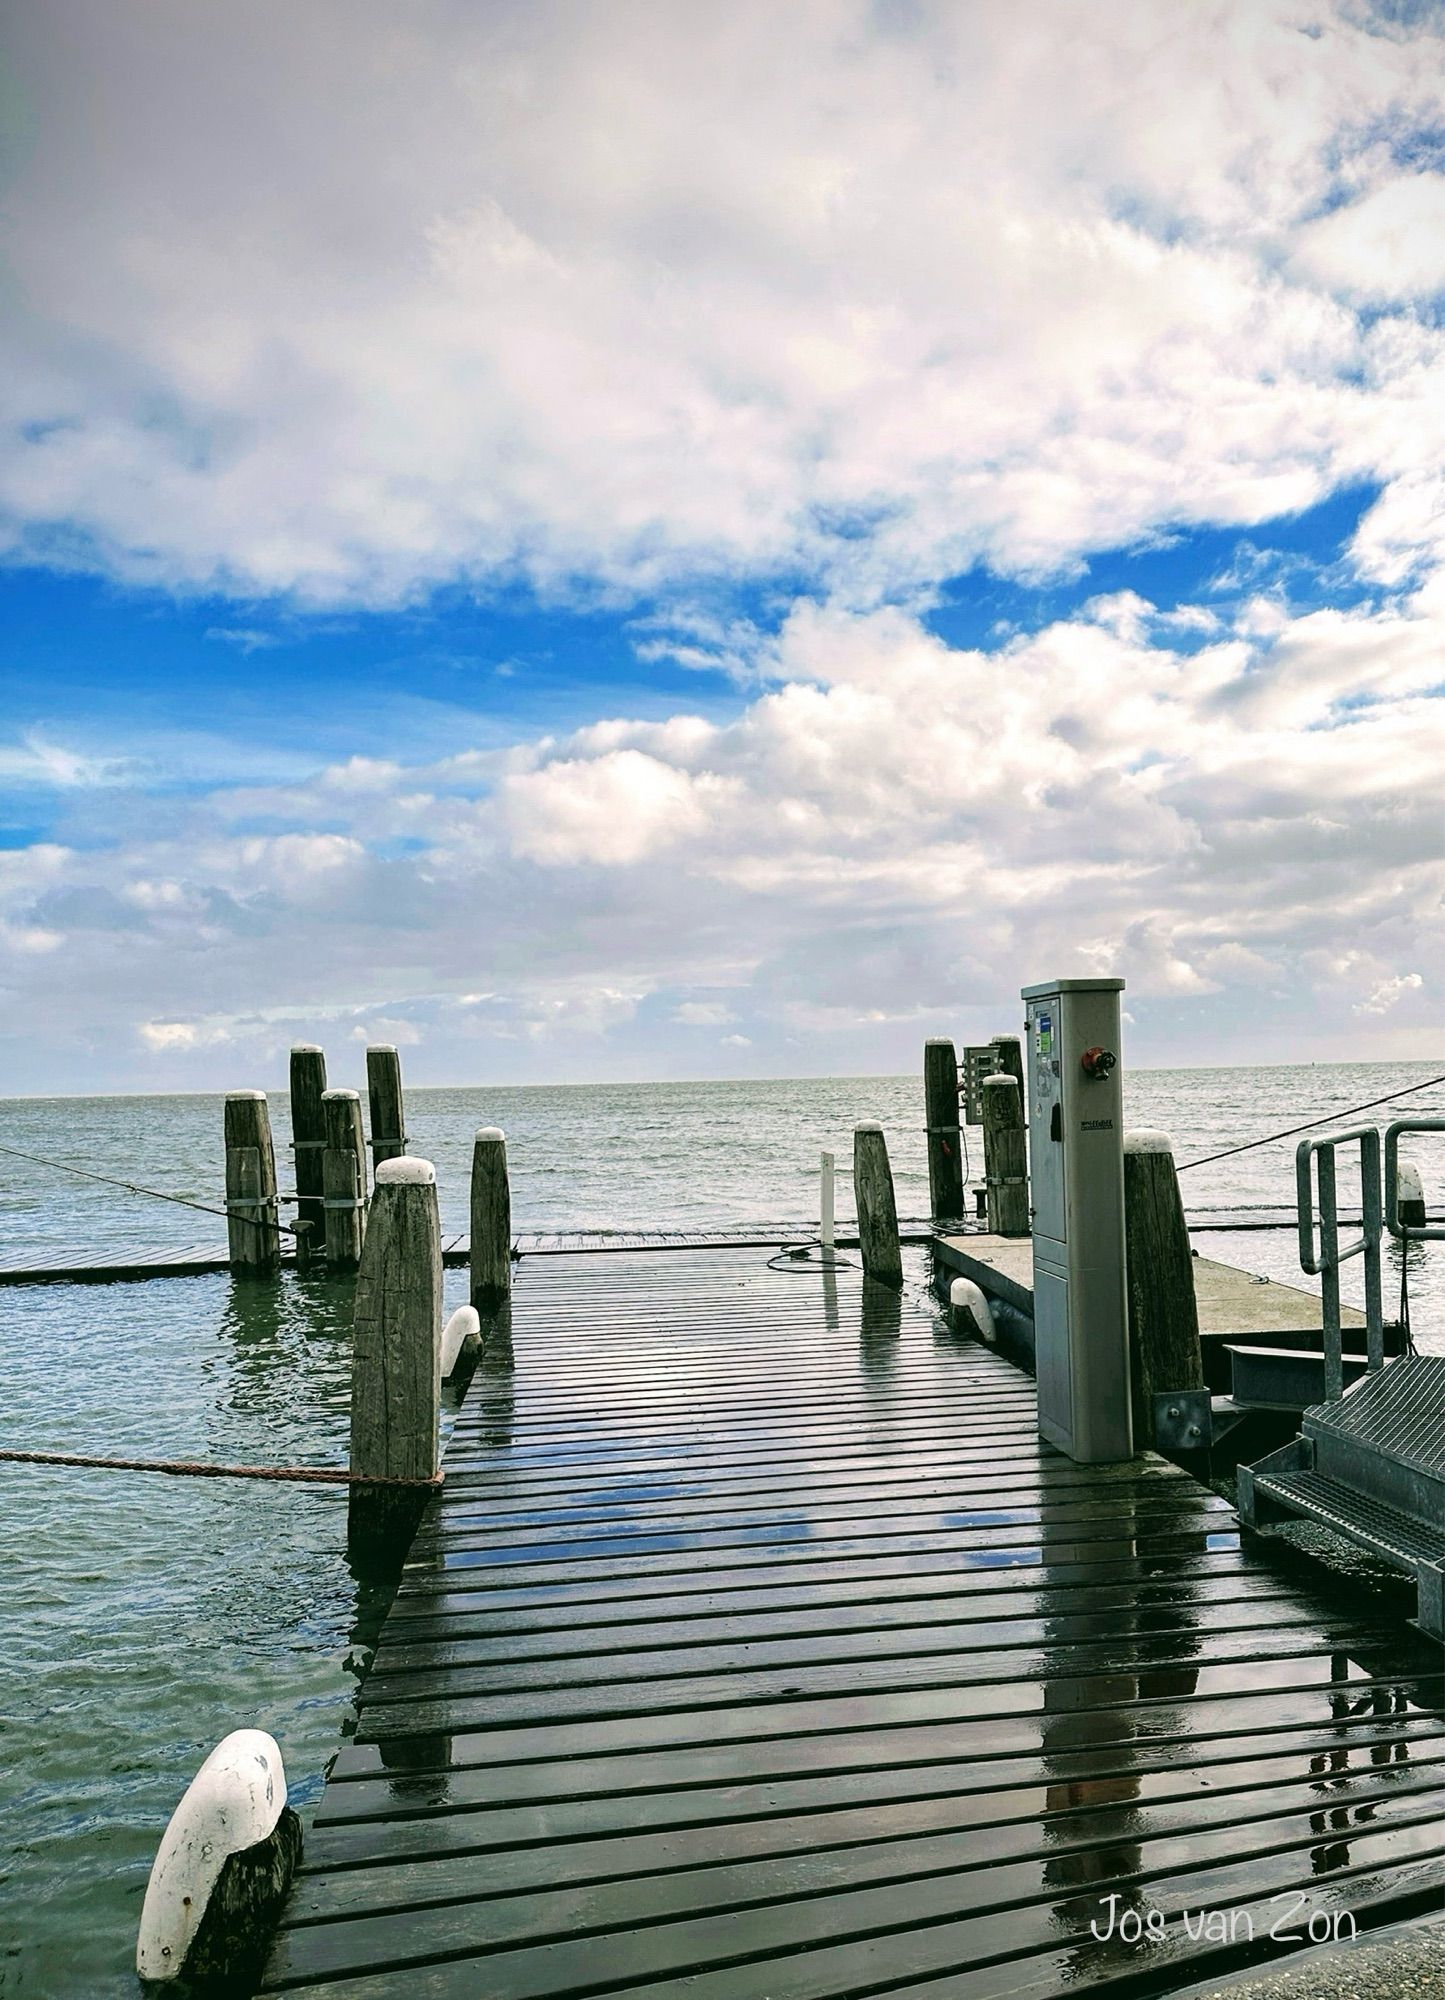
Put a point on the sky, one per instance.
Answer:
(614, 541)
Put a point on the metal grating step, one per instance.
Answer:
(1397, 1536)
(1399, 1411)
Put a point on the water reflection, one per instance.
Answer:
(880, 1326)
(1095, 1819)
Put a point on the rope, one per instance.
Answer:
(1312, 1124)
(309, 1475)
(797, 1257)
(133, 1187)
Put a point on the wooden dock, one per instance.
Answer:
(1233, 1305)
(757, 1647)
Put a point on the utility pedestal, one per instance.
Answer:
(1076, 1148)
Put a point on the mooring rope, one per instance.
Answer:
(1329, 1119)
(308, 1475)
(134, 1187)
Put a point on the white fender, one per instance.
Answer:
(234, 1801)
(463, 1326)
(966, 1302)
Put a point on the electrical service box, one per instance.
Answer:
(974, 1065)
(1076, 1164)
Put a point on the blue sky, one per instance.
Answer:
(589, 548)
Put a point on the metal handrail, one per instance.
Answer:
(1406, 1233)
(1317, 1185)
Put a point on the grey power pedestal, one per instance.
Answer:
(1076, 1162)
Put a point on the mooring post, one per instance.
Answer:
(221, 1871)
(491, 1240)
(945, 1145)
(396, 1353)
(383, 1086)
(343, 1170)
(1004, 1164)
(1164, 1353)
(1009, 1058)
(827, 1231)
(253, 1238)
(877, 1211)
(308, 1136)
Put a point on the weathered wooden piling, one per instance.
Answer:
(1004, 1161)
(878, 1242)
(827, 1167)
(1009, 1059)
(945, 1143)
(491, 1242)
(396, 1354)
(253, 1237)
(1164, 1353)
(308, 1136)
(383, 1087)
(343, 1167)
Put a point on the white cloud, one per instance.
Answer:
(614, 809)
(641, 296)
(704, 1014)
(1389, 991)
(1389, 245)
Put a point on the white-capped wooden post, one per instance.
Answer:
(1004, 1163)
(388, 1121)
(396, 1352)
(1164, 1353)
(308, 1137)
(254, 1242)
(945, 1143)
(343, 1167)
(491, 1240)
(877, 1211)
(1009, 1058)
(827, 1229)
(221, 1871)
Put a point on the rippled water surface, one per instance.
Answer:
(145, 1617)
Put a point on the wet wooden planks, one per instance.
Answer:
(756, 1646)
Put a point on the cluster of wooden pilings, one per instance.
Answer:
(331, 1197)
(329, 1144)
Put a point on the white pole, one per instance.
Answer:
(825, 1233)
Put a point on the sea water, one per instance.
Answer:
(144, 1618)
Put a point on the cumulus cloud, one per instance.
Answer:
(884, 843)
(340, 304)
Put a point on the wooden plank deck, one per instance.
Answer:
(757, 1647)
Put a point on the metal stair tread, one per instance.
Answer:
(1357, 1515)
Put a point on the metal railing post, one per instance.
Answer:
(1318, 1184)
